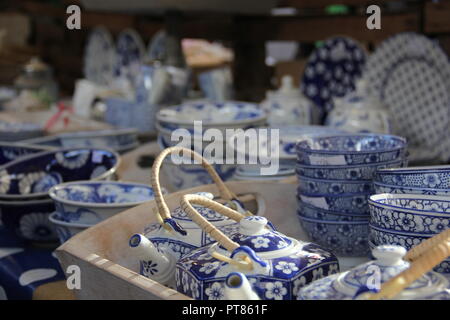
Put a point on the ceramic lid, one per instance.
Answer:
(256, 233)
(209, 214)
(387, 264)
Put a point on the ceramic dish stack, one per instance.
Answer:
(175, 126)
(412, 205)
(24, 183)
(335, 181)
(274, 145)
(408, 219)
(82, 204)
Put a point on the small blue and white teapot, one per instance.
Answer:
(175, 234)
(275, 265)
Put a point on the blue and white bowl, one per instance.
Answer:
(15, 131)
(32, 176)
(66, 230)
(350, 149)
(343, 238)
(380, 236)
(385, 188)
(29, 219)
(11, 151)
(420, 214)
(229, 114)
(431, 177)
(119, 140)
(356, 172)
(308, 211)
(353, 204)
(312, 186)
(88, 202)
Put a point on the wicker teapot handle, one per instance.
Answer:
(163, 210)
(186, 204)
(427, 255)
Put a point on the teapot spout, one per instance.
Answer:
(154, 263)
(237, 287)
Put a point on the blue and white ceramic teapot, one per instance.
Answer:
(372, 276)
(274, 264)
(175, 234)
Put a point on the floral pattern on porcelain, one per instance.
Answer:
(358, 172)
(350, 149)
(307, 211)
(320, 186)
(380, 236)
(341, 237)
(380, 188)
(346, 204)
(36, 173)
(426, 177)
(408, 222)
(288, 274)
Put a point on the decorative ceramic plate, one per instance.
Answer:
(410, 74)
(331, 71)
(130, 51)
(99, 56)
(419, 99)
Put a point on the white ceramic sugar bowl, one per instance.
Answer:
(371, 275)
(288, 106)
(360, 111)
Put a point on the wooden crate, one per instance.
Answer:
(109, 272)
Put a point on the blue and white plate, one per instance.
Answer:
(331, 71)
(410, 73)
(15, 131)
(99, 56)
(130, 51)
(156, 49)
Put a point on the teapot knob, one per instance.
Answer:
(389, 255)
(252, 225)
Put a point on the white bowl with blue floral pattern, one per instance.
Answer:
(428, 178)
(350, 149)
(31, 177)
(89, 202)
(10, 151)
(353, 204)
(386, 188)
(410, 213)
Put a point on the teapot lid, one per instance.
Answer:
(258, 234)
(388, 263)
(209, 214)
(287, 87)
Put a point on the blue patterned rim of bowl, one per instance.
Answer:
(355, 172)
(10, 151)
(341, 237)
(345, 149)
(413, 203)
(102, 194)
(308, 211)
(212, 113)
(33, 175)
(386, 188)
(435, 177)
(354, 204)
(54, 218)
(313, 186)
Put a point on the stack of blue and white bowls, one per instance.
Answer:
(335, 175)
(411, 205)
